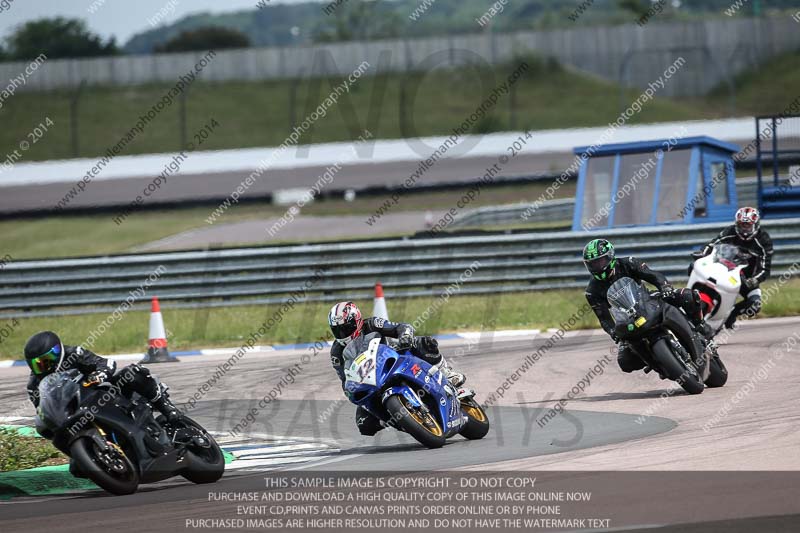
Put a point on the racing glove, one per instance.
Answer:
(751, 283)
(95, 378)
(667, 291)
(405, 341)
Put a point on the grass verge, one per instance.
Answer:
(76, 235)
(388, 106)
(18, 451)
(765, 91)
(231, 326)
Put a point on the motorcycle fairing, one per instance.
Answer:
(65, 405)
(379, 371)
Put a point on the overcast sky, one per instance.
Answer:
(120, 18)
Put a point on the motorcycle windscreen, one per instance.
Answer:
(624, 297)
(360, 359)
(731, 256)
(623, 294)
(56, 391)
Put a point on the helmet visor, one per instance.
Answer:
(598, 265)
(746, 228)
(343, 331)
(45, 363)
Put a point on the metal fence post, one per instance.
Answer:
(182, 120)
(293, 100)
(512, 107)
(73, 119)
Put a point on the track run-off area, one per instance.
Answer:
(730, 456)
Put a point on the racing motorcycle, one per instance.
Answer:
(116, 442)
(662, 335)
(718, 279)
(410, 394)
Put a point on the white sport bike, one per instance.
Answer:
(718, 278)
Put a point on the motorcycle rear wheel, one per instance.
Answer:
(670, 363)
(477, 425)
(413, 421)
(84, 452)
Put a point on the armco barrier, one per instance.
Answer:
(408, 267)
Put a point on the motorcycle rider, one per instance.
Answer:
(746, 233)
(347, 324)
(606, 268)
(45, 354)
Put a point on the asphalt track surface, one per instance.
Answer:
(182, 188)
(670, 471)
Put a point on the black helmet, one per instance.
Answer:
(44, 353)
(599, 258)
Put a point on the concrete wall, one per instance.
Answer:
(713, 51)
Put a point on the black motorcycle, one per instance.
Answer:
(662, 335)
(115, 440)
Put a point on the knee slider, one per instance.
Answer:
(430, 345)
(628, 361)
(754, 304)
(137, 370)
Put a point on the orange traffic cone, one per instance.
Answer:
(379, 310)
(157, 351)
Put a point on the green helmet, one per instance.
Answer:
(599, 258)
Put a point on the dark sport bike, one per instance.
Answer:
(116, 442)
(662, 335)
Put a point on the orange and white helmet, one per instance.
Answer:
(747, 222)
(345, 321)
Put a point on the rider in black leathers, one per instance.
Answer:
(96, 369)
(746, 233)
(601, 261)
(346, 324)
(45, 354)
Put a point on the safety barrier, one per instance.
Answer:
(408, 267)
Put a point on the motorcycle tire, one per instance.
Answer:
(411, 421)
(477, 425)
(206, 465)
(674, 369)
(83, 453)
(718, 374)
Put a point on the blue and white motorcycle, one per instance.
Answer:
(409, 394)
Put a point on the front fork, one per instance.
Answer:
(106, 448)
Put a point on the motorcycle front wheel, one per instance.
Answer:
(718, 374)
(112, 471)
(477, 425)
(676, 369)
(206, 463)
(421, 425)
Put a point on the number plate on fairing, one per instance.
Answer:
(363, 368)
